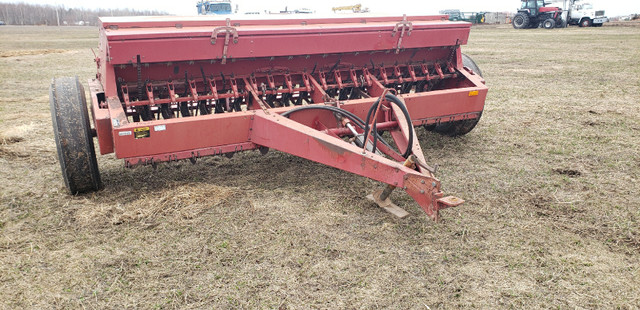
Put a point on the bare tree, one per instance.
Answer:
(31, 14)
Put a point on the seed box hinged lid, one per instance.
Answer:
(165, 39)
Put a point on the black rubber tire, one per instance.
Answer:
(459, 128)
(520, 21)
(549, 23)
(469, 63)
(585, 22)
(561, 24)
(74, 139)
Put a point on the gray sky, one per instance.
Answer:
(612, 7)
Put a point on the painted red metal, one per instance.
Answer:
(182, 88)
(549, 9)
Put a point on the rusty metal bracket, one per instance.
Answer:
(425, 71)
(125, 95)
(254, 83)
(234, 86)
(323, 80)
(287, 80)
(194, 91)
(412, 73)
(338, 78)
(213, 88)
(354, 77)
(172, 91)
(305, 80)
(367, 77)
(150, 95)
(439, 70)
(383, 74)
(398, 74)
(227, 30)
(271, 81)
(404, 23)
(256, 97)
(403, 26)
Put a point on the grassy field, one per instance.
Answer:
(550, 176)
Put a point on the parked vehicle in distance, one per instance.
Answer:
(214, 7)
(535, 13)
(585, 15)
(472, 17)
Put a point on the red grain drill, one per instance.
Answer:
(170, 88)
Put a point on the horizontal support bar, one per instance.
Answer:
(223, 95)
(192, 154)
(210, 97)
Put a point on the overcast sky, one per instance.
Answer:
(612, 7)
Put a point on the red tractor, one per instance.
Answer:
(534, 13)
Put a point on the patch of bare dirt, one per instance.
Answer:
(185, 201)
(627, 242)
(568, 172)
(632, 23)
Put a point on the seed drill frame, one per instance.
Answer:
(324, 89)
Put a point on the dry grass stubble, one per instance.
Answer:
(550, 178)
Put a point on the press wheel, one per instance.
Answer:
(459, 128)
(74, 139)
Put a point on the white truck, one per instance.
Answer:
(584, 15)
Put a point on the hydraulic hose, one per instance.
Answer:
(395, 100)
(365, 124)
(352, 117)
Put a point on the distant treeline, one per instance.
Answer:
(30, 14)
